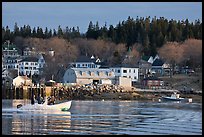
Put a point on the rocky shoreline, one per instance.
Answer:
(119, 93)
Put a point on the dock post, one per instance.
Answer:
(25, 93)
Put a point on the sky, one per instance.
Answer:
(73, 14)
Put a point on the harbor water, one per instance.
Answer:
(105, 118)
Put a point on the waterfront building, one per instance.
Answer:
(22, 80)
(127, 72)
(152, 83)
(144, 69)
(89, 76)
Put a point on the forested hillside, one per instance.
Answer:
(178, 42)
(150, 33)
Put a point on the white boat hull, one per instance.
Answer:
(65, 105)
(172, 99)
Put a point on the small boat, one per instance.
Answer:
(65, 106)
(175, 97)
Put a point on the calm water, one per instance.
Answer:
(105, 117)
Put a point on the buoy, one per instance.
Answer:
(190, 100)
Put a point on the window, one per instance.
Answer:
(26, 63)
(27, 72)
(135, 77)
(118, 71)
(134, 70)
(124, 71)
(26, 67)
(129, 70)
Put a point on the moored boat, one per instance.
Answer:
(175, 97)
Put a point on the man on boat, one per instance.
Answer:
(51, 100)
(40, 100)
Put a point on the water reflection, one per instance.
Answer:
(107, 117)
(33, 122)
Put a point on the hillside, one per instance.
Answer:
(179, 81)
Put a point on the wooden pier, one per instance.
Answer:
(25, 92)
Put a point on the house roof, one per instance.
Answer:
(85, 59)
(152, 78)
(11, 46)
(146, 58)
(158, 62)
(126, 66)
(12, 73)
(144, 62)
(30, 59)
(24, 77)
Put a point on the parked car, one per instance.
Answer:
(190, 71)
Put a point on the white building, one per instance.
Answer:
(86, 62)
(11, 62)
(51, 52)
(127, 72)
(22, 80)
(29, 66)
(10, 51)
(88, 76)
(41, 61)
(29, 51)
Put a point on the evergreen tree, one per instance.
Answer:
(16, 30)
(54, 33)
(90, 31)
(59, 32)
(34, 33)
(46, 33)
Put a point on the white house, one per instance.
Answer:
(150, 59)
(22, 80)
(9, 50)
(160, 67)
(128, 72)
(11, 62)
(41, 61)
(4, 73)
(29, 66)
(86, 62)
(88, 76)
(29, 51)
(51, 52)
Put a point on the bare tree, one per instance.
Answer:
(172, 52)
